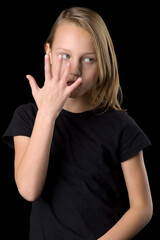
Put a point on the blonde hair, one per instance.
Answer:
(107, 91)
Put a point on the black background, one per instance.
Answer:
(24, 29)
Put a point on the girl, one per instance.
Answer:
(77, 153)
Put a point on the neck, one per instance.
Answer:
(76, 105)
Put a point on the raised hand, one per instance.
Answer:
(51, 98)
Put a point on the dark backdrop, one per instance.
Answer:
(24, 29)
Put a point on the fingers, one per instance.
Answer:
(47, 68)
(66, 72)
(75, 85)
(58, 68)
(57, 74)
(33, 85)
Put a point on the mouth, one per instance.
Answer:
(70, 82)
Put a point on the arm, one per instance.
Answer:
(32, 158)
(140, 211)
(32, 154)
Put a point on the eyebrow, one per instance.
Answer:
(67, 50)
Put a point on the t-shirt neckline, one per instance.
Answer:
(80, 114)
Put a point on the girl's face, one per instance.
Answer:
(75, 45)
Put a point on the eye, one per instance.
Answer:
(89, 60)
(65, 56)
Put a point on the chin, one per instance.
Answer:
(73, 95)
(78, 93)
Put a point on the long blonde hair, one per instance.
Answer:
(107, 92)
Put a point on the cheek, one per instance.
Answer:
(91, 76)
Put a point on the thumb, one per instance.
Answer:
(33, 85)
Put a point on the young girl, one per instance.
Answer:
(76, 150)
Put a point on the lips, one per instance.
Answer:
(70, 82)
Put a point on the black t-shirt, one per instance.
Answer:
(83, 195)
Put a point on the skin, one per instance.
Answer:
(32, 154)
(141, 208)
(75, 45)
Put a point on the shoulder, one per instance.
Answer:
(125, 122)
(24, 116)
(21, 123)
(114, 117)
(132, 138)
(121, 123)
(29, 108)
(120, 118)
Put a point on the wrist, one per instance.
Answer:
(46, 117)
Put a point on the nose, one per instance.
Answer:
(76, 68)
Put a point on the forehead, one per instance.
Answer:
(69, 35)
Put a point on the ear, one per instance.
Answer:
(48, 51)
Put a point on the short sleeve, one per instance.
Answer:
(21, 124)
(132, 139)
